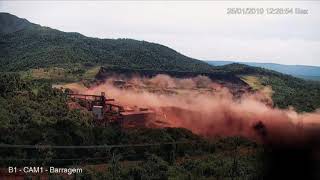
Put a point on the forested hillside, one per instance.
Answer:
(35, 46)
(39, 52)
(10, 23)
(287, 90)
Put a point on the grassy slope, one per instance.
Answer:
(58, 74)
(253, 82)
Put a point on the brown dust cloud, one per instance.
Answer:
(208, 108)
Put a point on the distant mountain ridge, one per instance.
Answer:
(302, 71)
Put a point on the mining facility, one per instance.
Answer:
(107, 112)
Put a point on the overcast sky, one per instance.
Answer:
(201, 30)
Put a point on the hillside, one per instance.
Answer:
(10, 23)
(42, 53)
(301, 71)
(33, 46)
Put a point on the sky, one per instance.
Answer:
(198, 29)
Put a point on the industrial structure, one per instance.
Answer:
(106, 111)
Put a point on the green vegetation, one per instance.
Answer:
(303, 95)
(56, 74)
(91, 73)
(35, 46)
(288, 91)
(212, 166)
(311, 78)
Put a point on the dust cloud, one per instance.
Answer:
(208, 108)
